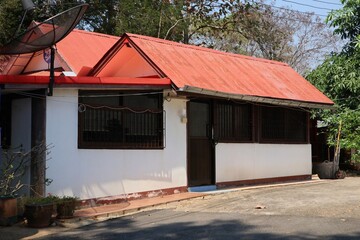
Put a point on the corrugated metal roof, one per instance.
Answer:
(79, 51)
(84, 49)
(224, 72)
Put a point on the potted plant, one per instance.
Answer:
(65, 206)
(39, 211)
(14, 162)
(12, 168)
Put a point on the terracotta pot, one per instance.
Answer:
(8, 211)
(39, 215)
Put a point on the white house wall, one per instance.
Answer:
(236, 162)
(21, 133)
(95, 173)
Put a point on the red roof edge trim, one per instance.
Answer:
(63, 80)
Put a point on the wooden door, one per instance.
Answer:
(201, 162)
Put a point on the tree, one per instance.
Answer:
(299, 39)
(338, 77)
(10, 18)
(346, 22)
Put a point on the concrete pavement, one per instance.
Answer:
(97, 214)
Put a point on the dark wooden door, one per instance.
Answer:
(201, 162)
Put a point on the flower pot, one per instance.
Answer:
(39, 215)
(325, 170)
(8, 210)
(65, 209)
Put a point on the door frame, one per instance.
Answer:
(210, 138)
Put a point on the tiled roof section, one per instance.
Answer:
(84, 49)
(213, 70)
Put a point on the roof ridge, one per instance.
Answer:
(96, 34)
(194, 47)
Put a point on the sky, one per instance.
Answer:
(320, 7)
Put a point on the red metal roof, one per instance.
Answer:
(63, 80)
(213, 70)
(84, 49)
(80, 50)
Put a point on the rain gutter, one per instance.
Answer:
(256, 99)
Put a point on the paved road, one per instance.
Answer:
(327, 210)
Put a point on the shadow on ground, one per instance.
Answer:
(154, 225)
(17, 231)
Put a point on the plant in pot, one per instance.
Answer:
(65, 206)
(12, 168)
(13, 165)
(39, 211)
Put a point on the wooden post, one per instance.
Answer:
(38, 139)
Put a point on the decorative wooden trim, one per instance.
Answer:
(130, 196)
(263, 181)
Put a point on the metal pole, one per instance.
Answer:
(52, 71)
(0, 132)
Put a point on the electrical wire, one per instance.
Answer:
(298, 20)
(120, 95)
(292, 10)
(326, 2)
(83, 107)
(308, 5)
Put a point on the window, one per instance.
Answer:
(120, 120)
(283, 125)
(233, 122)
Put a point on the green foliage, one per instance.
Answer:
(51, 199)
(151, 18)
(66, 199)
(350, 127)
(346, 22)
(10, 18)
(339, 77)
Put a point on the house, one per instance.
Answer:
(139, 116)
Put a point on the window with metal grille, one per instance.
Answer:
(121, 120)
(232, 122)
(283, 125)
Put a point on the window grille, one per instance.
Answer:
(283, 125)
(120, 120)
(232, 122)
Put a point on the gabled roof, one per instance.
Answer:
(191, 69)
(202, 70)
(78, 52)
(84, 49)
